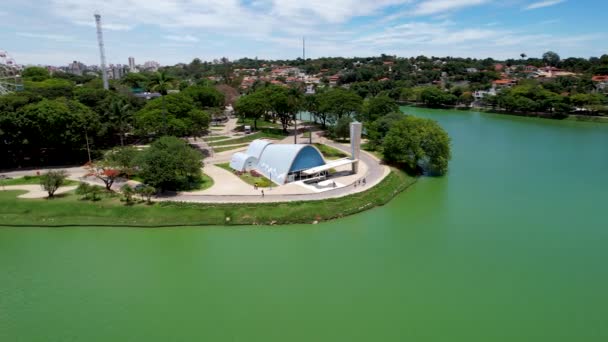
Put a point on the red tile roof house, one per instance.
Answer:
(333, 80)
(601, 82)
(504, 83)
(600, 78)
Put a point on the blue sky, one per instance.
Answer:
(57, 32)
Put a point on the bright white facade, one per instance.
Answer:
(281, 163)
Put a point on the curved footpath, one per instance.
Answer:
(376, 172)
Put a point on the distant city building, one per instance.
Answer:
(76, 68)
(132, 67)
(117, 71)
(151, 66)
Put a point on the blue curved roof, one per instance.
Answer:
(277, 161)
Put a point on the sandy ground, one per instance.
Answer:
(35, 191)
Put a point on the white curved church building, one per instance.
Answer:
(280, 163)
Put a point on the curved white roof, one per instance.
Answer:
(277, 161)
(256, 148)
(239, 161)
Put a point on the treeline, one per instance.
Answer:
(437, 82)
(414, 143)
(54, 119)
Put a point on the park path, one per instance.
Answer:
(373, 172)
(370, 167)
(35, 191)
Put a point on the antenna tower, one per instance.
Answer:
(102, 53)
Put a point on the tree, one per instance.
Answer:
(170, 164)
(121, 113)
(311, 104)
(252, 106)
(56, 123)
(50, 88)
(52, 180)
(128, 192)
(417, 142)
(283, 102)
(342, 128)
(134, 80)
(160, 82)
(124, 159)
(432, 96)
(180, 119)
(523, 56)
(339, 102)
(205, 97)
(377, 130)
(106, 171)
(551, 58)
(35, 74)
(146, 192)
(377, 107)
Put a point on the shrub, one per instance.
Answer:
(52, 180)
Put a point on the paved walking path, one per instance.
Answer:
(35, 191)
(228, 188)
(370, 169)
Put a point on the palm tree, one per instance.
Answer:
(160, 82)
(120, 111)
(523, 56)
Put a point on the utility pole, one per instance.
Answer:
(304, 49)
(102, 53)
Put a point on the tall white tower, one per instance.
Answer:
(102, 53)
(355, 144)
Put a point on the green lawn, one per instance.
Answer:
(247, 139)
(329, 152)
(228, 148)
(203, 184)
(69, 210)
(215, 137)
(261, 181)
(25, 180)
(261, 124)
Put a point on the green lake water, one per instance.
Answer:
(511, 246)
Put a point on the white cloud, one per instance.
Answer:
(542, 4)
(428, 7)
(273, 29)
(187, 38)
(46, 36)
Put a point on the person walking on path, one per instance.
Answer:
(262, 193)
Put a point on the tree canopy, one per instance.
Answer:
(170, 164)
(182, 117)
(418, 142)
(252, 106)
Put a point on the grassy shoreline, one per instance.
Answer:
(68, 210)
